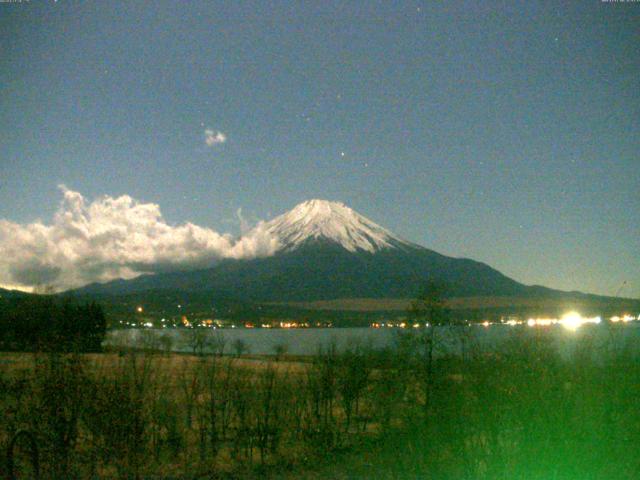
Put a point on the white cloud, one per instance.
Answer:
(213, 137)
(113, 238)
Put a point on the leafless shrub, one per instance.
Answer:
(190, 384)
(240, 347)
(117, 416)
(59, 395)
(321, 389)
(166, 342)
(280, 350)
(196, 340)
(353, 371)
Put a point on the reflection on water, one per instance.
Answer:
(449, 339)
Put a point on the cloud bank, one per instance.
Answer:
(112, 238)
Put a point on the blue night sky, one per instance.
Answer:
(507, 133)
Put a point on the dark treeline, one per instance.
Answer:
(198, 305)
(38, 323)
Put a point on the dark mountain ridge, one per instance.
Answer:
(327, 251)
(322, 270)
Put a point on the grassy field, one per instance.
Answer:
(522, 412)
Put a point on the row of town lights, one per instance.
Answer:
(570, 320)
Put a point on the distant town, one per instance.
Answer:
(569, 320)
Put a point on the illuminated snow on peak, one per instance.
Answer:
(334, 221)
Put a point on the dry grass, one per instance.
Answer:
(522, 412)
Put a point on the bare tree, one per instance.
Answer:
(149, 340)
(240, 347)
(197, 340)
(429, 310)
(353, 370)
(166, 343)
(61, 379)
(191, 387)
(280, 350)
(218, 342)
(268, 411)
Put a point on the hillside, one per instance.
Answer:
(328, 252)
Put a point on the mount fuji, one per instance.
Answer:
(328, 251)
(334, 222)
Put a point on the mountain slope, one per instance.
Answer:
(4, 293)
(328, 251)
(321, 270)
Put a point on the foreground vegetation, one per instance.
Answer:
(522, 412)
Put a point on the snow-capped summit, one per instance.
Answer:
(333, 221)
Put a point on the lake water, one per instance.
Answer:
(306, 341)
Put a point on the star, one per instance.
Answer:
(342, 154)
